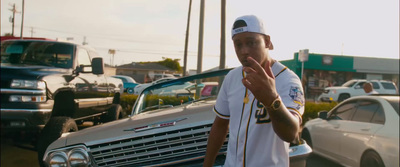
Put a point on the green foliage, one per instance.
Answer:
(312, 109)
(171, 63)
(127, 102)
(153, 100)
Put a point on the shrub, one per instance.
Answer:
(127, 102)
(312, 109)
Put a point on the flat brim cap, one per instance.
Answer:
(248, 23)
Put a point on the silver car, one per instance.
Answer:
(361, 131)
(163, 130)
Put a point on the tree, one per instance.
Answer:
(7, 34)
(171, 63)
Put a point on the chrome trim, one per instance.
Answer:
(25, 110)
(23, 91)
(92, 102)
(156, 148)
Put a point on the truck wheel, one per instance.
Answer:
(343, 97)
(52, 131)
(112, 114)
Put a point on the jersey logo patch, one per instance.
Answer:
(261, 114)
(297, 95)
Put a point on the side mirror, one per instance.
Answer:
(97, 65)
(323, 115)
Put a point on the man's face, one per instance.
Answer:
(249, 44)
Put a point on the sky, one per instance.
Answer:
(150, 30)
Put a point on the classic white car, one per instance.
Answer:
(360, 131)
(163, 130)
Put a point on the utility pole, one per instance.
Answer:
(200, 46)
(32, 31)
(222, 45)
(222, 51)
(84, 41)
(186, 41)
(12, 19)
(22, 20)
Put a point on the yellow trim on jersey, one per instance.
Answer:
(247, 131)
(221, 115)
(299, 103)
(293, 110)
(241, 117)
(280, 71)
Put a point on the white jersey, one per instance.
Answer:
(252, 140)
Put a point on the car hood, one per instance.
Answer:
(22, 70)
(142, 124)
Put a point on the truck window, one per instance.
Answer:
(83, 57)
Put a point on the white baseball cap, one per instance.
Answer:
(249, 23)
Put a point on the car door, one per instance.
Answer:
(326, 135)
(89, 87)
(368, 118)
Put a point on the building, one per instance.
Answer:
(143, 72)
(323, 70)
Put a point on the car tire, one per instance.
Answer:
(52, 131)
(371, 159)
(114, 113)
(130, 90)
(343, 97)
(305, 134)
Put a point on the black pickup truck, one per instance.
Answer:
(50, 87)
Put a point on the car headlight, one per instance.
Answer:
(31, 84)
(58, 159)
(75, 156)
(78, 157)
(27, 98)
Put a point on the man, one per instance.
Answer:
(368, 88)
(261, 102)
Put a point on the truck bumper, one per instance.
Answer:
(17, 118)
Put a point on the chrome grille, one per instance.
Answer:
(163, 148)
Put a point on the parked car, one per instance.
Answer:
(210, 89)
(360, 131)
(48, 87)
(355, 88)
(163, 130)
(139, 88)
(129, 83)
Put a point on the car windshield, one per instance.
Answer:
(125, 79)
(43, 53)
(180, 92)
(349, 83)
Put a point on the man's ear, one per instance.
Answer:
(268, 43)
